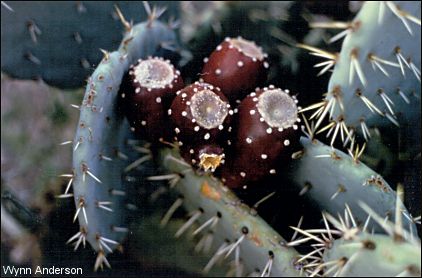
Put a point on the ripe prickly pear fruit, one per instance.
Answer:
(147, 91)
(266, 136)
(236, 66)
(200, 114)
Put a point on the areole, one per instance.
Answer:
(277, 108)
(208, 109)
(249, 48)
(154, 73)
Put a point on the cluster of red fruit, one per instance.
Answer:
(222, 122)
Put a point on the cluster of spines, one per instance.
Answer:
(348, 248)
(383, 88)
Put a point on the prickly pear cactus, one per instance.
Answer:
(260, 128)
(376, 78)
(229, 227)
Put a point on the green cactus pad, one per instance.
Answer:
(369, 255)
(60, 41)
(330, 179)
(244, 234)
(376, 78)
(99, 145)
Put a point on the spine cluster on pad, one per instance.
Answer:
(345, 247)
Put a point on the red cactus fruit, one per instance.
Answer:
(236, 66)
(267, 133)
(147, 91)
(200, 114)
